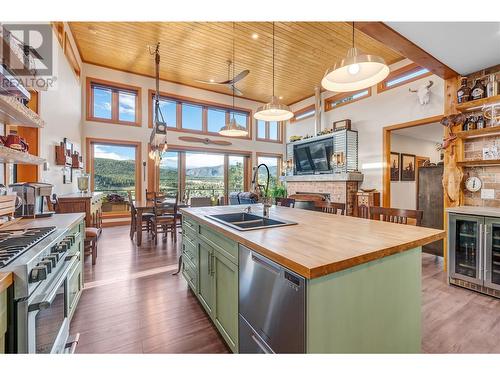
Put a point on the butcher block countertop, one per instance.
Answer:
(321, 243)
(61, 221)
(5, 280)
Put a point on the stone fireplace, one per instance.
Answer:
(340, 188)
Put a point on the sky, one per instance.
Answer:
(197, 160)
(102, 105)
(114, 152)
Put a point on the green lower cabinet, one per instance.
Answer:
(206, 276)
(225, 313)
(3, 320)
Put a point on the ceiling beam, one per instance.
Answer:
(392, 39)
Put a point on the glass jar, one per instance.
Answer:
(83, 183)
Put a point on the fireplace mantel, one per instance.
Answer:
(334, 177)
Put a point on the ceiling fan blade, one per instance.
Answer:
(240, 76)
(236, 90)
(208, 82)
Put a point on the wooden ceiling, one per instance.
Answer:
(193, 51)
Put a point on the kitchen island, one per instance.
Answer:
(362, 278)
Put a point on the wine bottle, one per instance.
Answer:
(463, 93)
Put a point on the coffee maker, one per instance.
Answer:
(35, 197)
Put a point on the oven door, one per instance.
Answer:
(46, 315)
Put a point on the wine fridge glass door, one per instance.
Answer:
(492, 254)
(465, 248)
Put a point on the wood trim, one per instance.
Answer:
(392, 39)
(115, 86)
(205, 104)
(281, 132)
(301, 111)
(109, 224)
(172, 147)
(386, 152)
(270, 155)
(328, 101)
(58, 28)
(407, 69)
(70, 55)
(89, 156)
(25, 172)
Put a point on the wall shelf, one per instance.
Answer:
(477, 104)
(13, 112)
(477, 163)
(485, 132)
(8, 155)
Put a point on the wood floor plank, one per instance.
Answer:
(135, 305)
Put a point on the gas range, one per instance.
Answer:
(15, 242)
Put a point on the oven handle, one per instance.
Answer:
(44, 301)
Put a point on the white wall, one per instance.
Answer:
(124, 132)
(404, 193)
(370, 115)
(61, 111)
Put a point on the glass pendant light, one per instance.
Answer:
(232, 128)
(274, 110)
(356, 72)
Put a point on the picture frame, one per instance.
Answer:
(407, 166)
(394, 163)
(67, 175)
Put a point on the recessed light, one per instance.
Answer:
(280, 98)
(212, 80)
(255, 36)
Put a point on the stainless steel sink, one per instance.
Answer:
(246, 221)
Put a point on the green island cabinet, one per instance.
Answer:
(3, 320)
(373, 307)
(210, 266)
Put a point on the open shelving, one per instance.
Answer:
(477, 133)
(477, 163)
(13, 112)
(477, 104)
(8, 155)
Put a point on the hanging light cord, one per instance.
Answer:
(233, 68)
(273, 58)
(352, 34)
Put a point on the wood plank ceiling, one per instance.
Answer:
(193, 51)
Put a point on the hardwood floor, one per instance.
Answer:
(133, 304)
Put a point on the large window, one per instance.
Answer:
(114, 171)
(191, 115)
(269, 131)
(113, 102)
(202, 174)
(303, 113)
(274, 164)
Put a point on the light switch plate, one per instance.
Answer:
(487, 193)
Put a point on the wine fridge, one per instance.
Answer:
(474, 253)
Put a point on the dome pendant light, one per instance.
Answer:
(356, 72)
(274, 110)
(232, 128)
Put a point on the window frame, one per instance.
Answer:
(115, 88)
(270, 155)
(328, 101)
(267, 135)
(206, 105)
(302, 111)
(405, 70)
(89, 167)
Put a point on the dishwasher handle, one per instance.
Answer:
(269, 265)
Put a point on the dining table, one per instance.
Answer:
(143, 206)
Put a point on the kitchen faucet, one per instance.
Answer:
(263, 196)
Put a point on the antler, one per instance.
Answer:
(430, 84)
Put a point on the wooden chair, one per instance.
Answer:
(285, 202)
(91, 233)
(147, 218)
(330, 207)
(164, 219)
(396, 215)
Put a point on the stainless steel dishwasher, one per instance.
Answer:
(271, 306)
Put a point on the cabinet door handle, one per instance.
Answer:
(486, 248)
(213, 264)
(209, 255)
(480, 251)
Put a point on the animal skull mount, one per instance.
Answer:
(424, 93)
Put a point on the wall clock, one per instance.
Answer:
(473, 184)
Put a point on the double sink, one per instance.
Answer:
(246, 221)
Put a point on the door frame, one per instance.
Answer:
(386, 152)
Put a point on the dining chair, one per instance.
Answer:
(330, 207)
(285, 202)
(396, 215)
(146, 217)
(165, 218)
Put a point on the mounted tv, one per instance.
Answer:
(313, 157)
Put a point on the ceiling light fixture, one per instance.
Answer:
(232, 128)
(356, 72)
(255, 36)
(274, 110)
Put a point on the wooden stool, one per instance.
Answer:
(90, 244)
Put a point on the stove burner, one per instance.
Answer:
(15, 242)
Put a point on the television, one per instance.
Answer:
(313, 157)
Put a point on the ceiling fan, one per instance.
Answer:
(230, 83)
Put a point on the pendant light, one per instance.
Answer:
(274, 110)
(356, 72)
(232, 128)
(158, 137)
